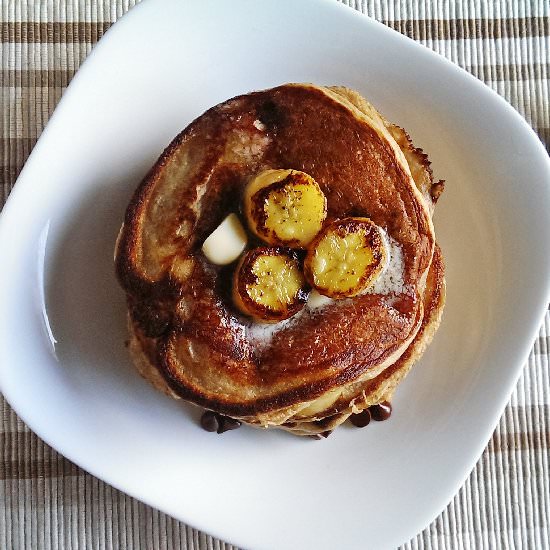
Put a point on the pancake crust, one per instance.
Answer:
(186, 336)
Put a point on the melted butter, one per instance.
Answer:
(389, 284)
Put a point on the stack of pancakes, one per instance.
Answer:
(308, 374)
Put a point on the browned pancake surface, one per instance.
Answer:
(180, 300)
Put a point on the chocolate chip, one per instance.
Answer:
(326, 434)
(209, 421)
(215, 422)
(226, 424)
(269, 114)
(380, 412)
(362, 419)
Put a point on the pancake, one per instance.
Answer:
(309, 373)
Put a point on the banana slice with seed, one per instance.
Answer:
(269, 285)
(285, 207)
(345, 258)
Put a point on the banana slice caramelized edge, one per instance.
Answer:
(346, 257)
(269, 284)
(285, 207)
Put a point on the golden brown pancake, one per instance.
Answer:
(307, 374)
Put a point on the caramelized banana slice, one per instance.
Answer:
(285, 207)
(269, 285)
(345, 258)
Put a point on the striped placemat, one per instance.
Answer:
(48, 502)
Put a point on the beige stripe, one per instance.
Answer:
(52, 32)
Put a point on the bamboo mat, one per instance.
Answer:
(47, 502)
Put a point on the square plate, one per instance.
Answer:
(64, 367)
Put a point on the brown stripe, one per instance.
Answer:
(35, 469)
(525, 71)
(52, 32)
(58, 466)
(535, 439)
(417, 29)
(14, 153)
(457, 29)
(542, 343)
(12, 148)
(31, 78)
(544, 135)
(8, 175)
(10, 144)
(520, 441)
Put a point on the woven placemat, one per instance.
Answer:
(48, 502)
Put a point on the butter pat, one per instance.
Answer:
(226, 242)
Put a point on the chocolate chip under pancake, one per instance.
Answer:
(328, 359)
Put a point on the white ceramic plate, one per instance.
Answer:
(64, 367)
